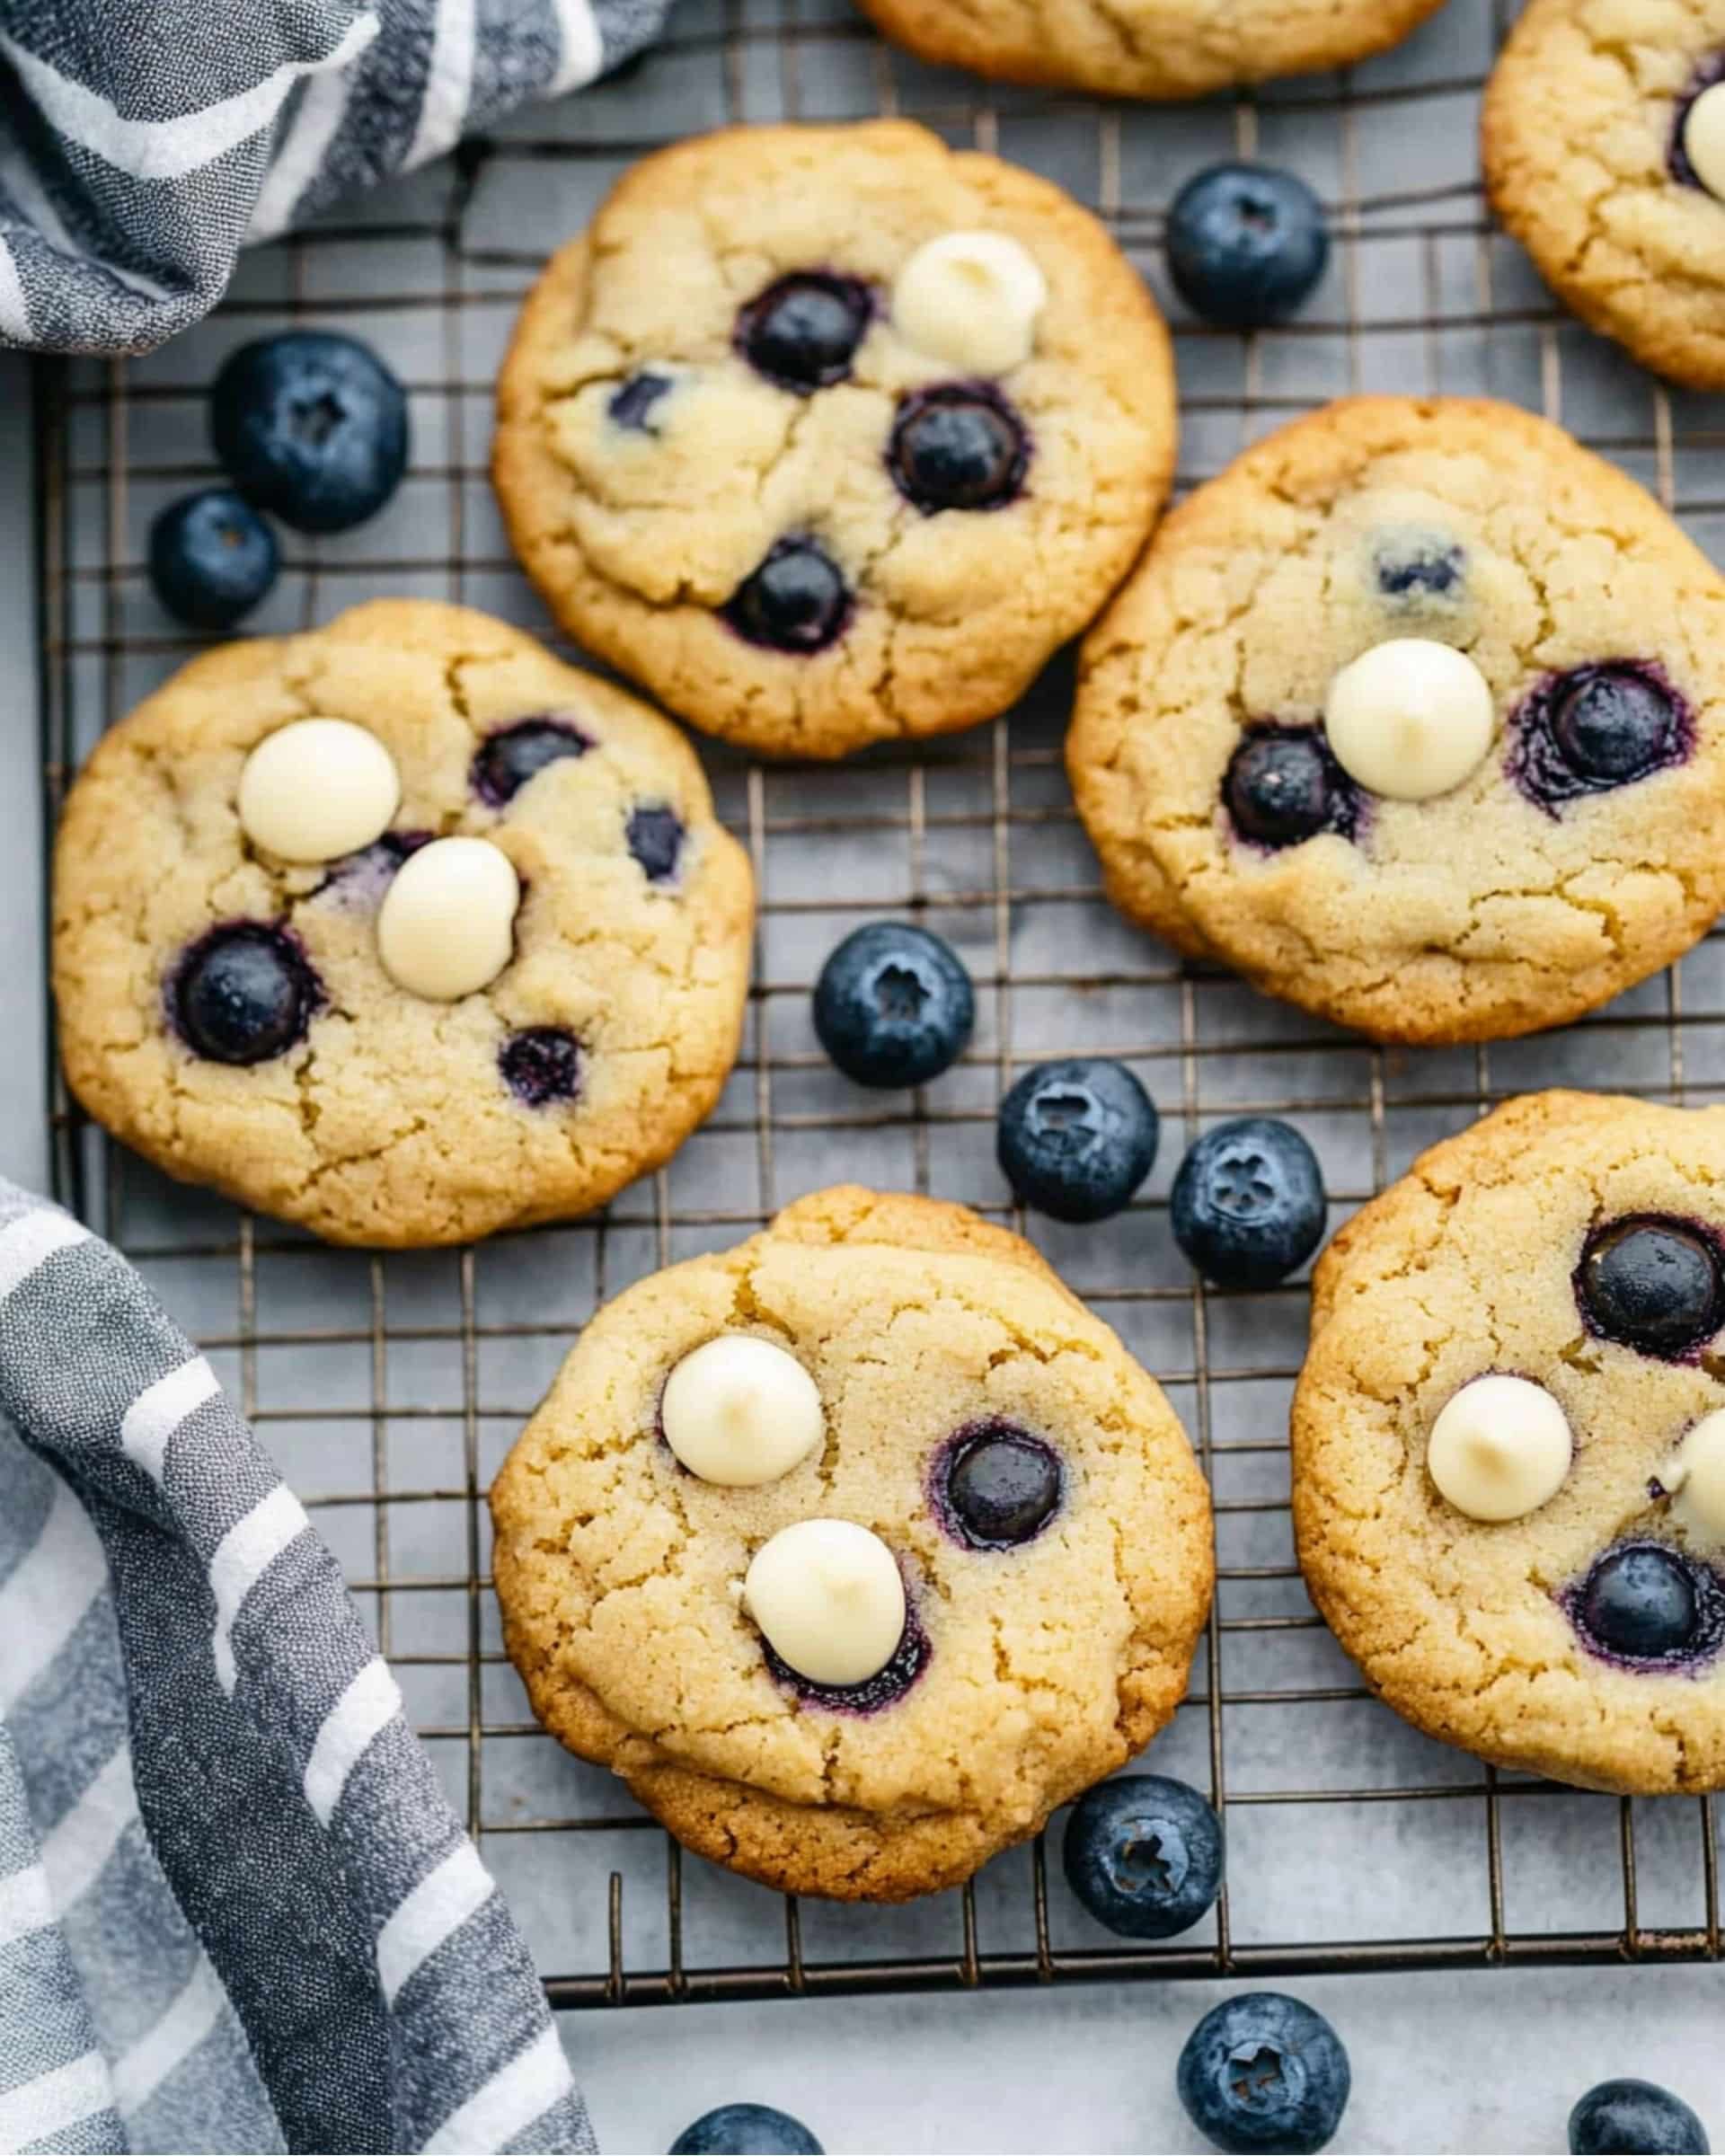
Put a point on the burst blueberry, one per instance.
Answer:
(1417, 565)
(312, 426)
(796, 601)
(996, 1486)
(745, 2130)
(1637, 2118)
(506, 760)
(655, 835)
(242, 993)
(1283, 786)
(1596, 728)
(958, 447)
(803, 330)
(1265, 2071)
(1076, 1138)
(894, 1005)
(1144, 1855)
(1248, 1205)
(212, 559)
(1653, 1284)
(1246, 244)
(884, 1689)
(1647, 1603)
(633, 403)
(542, 1064)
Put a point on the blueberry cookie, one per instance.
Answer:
(1602, 137)
(402, 930)
(1160, 49)
(1416, 717)
(854, 1550)
(831, 434)
(1509, 1442)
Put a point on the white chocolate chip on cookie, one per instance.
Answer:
(1499, 1449)
(1409, 718)
(828, 1597)
(740, 1412)
(1695, 1479)
(971, 298)
(318, 789)
(447, 925)
(1703, 139)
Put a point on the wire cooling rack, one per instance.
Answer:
(390, 1389)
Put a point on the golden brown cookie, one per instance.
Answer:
(830, 435)
(1036, 1492)
(232, 932)
(1157, 49)
(1416, 717)
(1586, 131)
(1508, 1469)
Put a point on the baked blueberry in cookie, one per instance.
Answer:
(1416, 717)
(794, 431)
(1509, 1442)
(1605, 156)
(854, 1550)
(441, 936)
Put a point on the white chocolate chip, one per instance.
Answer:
(317, 790)
(1703, 139)
(828, 1598)
(1695, 1479)
(1409, 718)
(971, 298)
(447, 925)
(740, 1412)
(1499, 1449)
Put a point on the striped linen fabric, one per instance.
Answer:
(143, 141)
(236, 1911)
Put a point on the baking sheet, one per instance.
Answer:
(390, 1389)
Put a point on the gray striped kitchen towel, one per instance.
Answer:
(143, 142)
(235, 1912)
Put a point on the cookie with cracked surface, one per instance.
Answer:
(1507, 1452)
(1000, 1604)
(1152, 48)
(1415, 717)
(1602, 141)
(833, 435)
(401, 928)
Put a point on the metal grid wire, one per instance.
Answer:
(391, 1388)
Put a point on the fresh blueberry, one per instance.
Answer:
(1650, 1605)
(745, 2130)
(797, 600)
(633, 401)
(1651, 1284)
(994, 1485)
(656, 839)
(212, 558)
(1283, 786)
(1246, 243)
(958, 447)
(894, 1005)
(802, 332)
(1637, 2118)
(1416, 565)
(1264, 2072)
(312, 426)
(1248, 1204)
(1075, 1139)
(506, 760)
(542, 1064)
(1144, 1855)
(1596, 728)
(243, 993)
